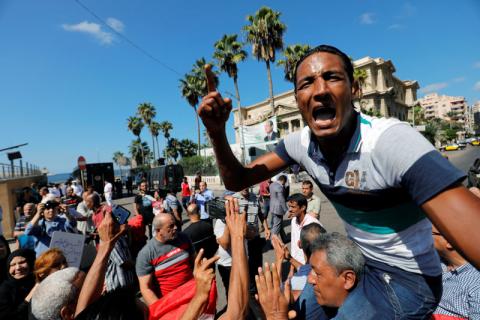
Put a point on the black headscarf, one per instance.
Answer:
(13, 291)
(3, 261)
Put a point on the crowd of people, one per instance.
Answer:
(393, 262)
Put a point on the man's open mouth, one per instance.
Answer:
(324, 113)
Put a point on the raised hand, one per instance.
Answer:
(214, 109)
(109, 230)
(273, 301)
(236, 221)
(204, 273)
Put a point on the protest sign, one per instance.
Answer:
(71, 245)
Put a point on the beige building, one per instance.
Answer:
(444, 107)
(383, 93)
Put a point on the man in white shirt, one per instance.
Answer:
(108, 191)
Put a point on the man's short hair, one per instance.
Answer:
(270, 122)
(299, 199)
(342, 253)
(347, 64)
(96, 199)
(283, 178)
(53, 293)
(309, 233)
(307, 183)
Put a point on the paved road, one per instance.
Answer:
(462, 159)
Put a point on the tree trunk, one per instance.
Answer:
(158, 148)
(154, 154)
(198, 130)
(141, 148)
(240, 117)
(270, 87)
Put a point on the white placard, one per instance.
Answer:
(71, 245)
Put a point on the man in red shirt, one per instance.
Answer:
(166, 261)
(264, 195)
(186, 193)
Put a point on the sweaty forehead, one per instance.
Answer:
(318, 63)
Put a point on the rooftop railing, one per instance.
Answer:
(9, 171)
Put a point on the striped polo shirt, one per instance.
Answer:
(169, 262)
(387, 172)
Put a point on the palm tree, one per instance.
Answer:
(360, 77)
(265, 33)
(187, 148)
(165, 128)
(119, 159)
(155, 131)
(193, 87)
(292, 54)
(136, 125)
(172, 150)
(229, 52)
(136, 151)
(146, 111)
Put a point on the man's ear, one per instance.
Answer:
(299, 243)
(349, 279)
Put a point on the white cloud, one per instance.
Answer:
(116, 24)
(458, 79)
(367, 18)
(476, 87)
(476, 65)
(396, 26)
(434, 87)
(96, 30)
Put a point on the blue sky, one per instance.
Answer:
(68, 84)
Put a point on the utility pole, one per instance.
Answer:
(240, 116)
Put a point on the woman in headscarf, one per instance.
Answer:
(4, 253)
(16, 291)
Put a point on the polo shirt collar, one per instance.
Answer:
(315, 153)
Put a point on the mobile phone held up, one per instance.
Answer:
(120, 214)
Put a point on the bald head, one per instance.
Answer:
(164, 224)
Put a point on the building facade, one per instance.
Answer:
(382, 94)
(444, 107)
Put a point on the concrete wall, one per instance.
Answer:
(8, 199)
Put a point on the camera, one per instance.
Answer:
(216, 208)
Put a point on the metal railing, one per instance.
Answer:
(9, 171)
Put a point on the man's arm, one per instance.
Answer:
(238, 291)
(147, 289)
(224, 240)
(204, 274)
(109, 231)
(214, 111)
(455, 212)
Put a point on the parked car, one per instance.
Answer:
(462, 144)
(475, 143)
(452, 147)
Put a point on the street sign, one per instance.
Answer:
(82, 163)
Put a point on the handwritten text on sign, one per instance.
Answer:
(71, 244)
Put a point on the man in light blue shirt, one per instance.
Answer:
(201, 198)
(45, 222)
